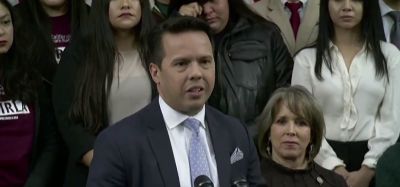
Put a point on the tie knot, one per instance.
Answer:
(294, 7)
(395, 15)
(193, 124)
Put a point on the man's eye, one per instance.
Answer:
(180, 63)
(206, 62)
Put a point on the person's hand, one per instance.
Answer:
(87, 158)
(191, 9)
(341, 170)
(360, 178)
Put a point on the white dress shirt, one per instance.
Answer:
(301, 10)
(357, 105)
(180, 136)
(386, 19)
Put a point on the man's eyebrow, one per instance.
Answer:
(182, 58)
(206, 57)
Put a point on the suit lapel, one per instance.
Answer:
(311, 15)
(221, 146)
(277, 14)
(161, 146)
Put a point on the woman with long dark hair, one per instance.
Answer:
(29, 145)
(101, 78)
(51, 25)
(354, 76)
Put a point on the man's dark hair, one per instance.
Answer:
(154, 47)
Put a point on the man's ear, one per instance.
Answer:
(154, 72)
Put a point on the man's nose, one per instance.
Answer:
(195, 70)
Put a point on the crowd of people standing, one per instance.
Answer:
(160, 92)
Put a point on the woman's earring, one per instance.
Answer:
(269, 147)
(310, 152)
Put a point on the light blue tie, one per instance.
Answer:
(197, 151)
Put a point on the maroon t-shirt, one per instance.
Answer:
(17, 129)
(61, 33)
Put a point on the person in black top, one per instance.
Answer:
(291, 133)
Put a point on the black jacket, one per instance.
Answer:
(77, 139)
(277, 175)
(45, 162)
(251, 62)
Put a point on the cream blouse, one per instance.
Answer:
(356, 104)
(130, 89)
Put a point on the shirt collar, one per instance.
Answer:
(303, 1)
(174, 118)
(332, 47)
(385, 9)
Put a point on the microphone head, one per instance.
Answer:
(203, 181)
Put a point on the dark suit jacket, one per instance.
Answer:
(388, 168)
(137, 151)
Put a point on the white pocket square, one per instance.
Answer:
(236, 155)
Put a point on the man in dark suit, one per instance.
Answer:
(159, 145)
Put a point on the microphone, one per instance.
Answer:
(203, 181)
(241, 182)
